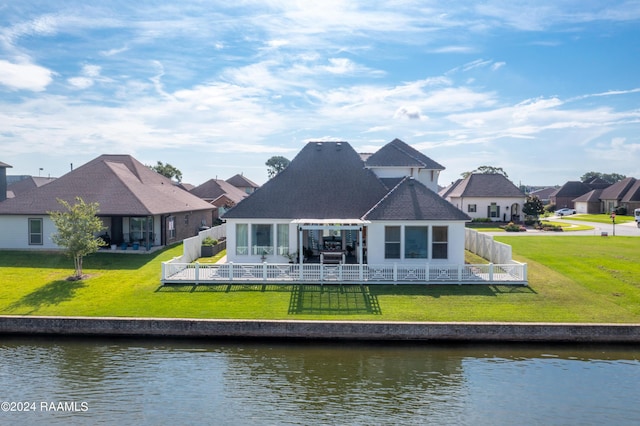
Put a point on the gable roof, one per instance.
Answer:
(633, 194)
(484, 185)
(571, 189)
(119, 183)
(325, 180)
(411, 200)
(589, 197)
(240, 181)
(213, 189)
(617, 190)
(398, 154)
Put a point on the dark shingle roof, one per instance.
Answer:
(27, 184)
(571, 189)
(325, 180)
(213, 189)
(485, 185)
(411, 200)
(240, 181)
(398, 154)
(633, 194)
(119, 183)
(590, 197)
(617, 190)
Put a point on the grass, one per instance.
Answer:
(600, 218)
(567, 227)
(572, 279)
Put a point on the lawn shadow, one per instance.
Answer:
(333, 300)
(222, 288)
(52, 293)
(438, 290)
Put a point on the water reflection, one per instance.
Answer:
(127, 381)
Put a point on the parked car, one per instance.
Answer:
(564, 212)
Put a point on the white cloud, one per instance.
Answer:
(24, 76)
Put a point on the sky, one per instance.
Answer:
(546, 90)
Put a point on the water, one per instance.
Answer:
(178, 382)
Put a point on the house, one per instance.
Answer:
(330, 205)
(588, 203)
(623, 193)
(563, 197)
(543, 194)
(220, 194)
(25, 184)
(243, 183)
(137, 206)
(490, 196)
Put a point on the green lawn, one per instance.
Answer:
(567, 227)
(599, 218)
(572, 279)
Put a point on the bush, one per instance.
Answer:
(208, 241)
(481, 220)
(512, 227)
(621, 210)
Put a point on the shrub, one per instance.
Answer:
(621, 210)
(208, 241)
(512, 227)
(481, 220)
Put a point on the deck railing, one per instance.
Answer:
(251, 273)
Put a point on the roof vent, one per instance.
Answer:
(318, 146)
(338, 146)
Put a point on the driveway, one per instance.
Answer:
(629, 229)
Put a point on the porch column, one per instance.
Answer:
(360, 249)
(300, 252)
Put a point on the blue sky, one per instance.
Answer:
(547, 90)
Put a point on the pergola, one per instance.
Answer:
(330, 224)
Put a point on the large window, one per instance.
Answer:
(440, 245)
(141, 229)
(261, 239)
(416, 242)
(35, 231)
(283, 239)
(171, 225)
(392, 242)
(494, 210)
(242, 239)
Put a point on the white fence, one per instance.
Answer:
(484, 246)
(252, 273)
(191, 246)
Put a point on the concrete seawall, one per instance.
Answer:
(335, 330)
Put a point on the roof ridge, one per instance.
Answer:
(404, 151)
(117, 175)
(387, 195)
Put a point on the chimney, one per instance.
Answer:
(3, 180)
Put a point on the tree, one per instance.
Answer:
(533, 206)
(276, 164)
(607, 177)
(77, 227)
(487, 170)
(167, 170)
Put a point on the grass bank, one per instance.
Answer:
(572, 279)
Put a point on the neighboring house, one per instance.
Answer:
(490, 196)
(220, 194)
(544, 194)
(588, 203)
(563, 197)
(3, 180)
(329, 202)
(243, 183)
(624, 193)
(137, 205)
(27, 183)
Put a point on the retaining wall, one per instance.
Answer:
(336, 330)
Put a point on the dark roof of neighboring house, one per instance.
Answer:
(411, 200)
(571, 189)
(590, 197)
(119, 183)
(325, 180)
(398, 154)
(633, 194)
(484, 185)
(5, 165)
(617, 190)
(543, 193)
(27, 184)
(213, 189)
(598, 183)
(240, 181)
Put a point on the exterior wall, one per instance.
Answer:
(274, 256)
(14, 230)
(428, 178)
(482, 204)
(376, 242)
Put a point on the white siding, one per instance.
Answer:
(428, 178)
(232, 256)
(14, 232)
(482, 204)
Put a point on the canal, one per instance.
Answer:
(63, 381)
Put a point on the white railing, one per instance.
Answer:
(230, 273)
(486, 247)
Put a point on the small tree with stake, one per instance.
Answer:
(532, 207)
(77, 227)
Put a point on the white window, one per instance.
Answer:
(261, 239)
(440, 244)
(283, 239)
(242, 239)
(392, 242)
(35, 231)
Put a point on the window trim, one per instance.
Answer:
(31, 234)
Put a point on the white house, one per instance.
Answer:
(330, 205)
(491, 196)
